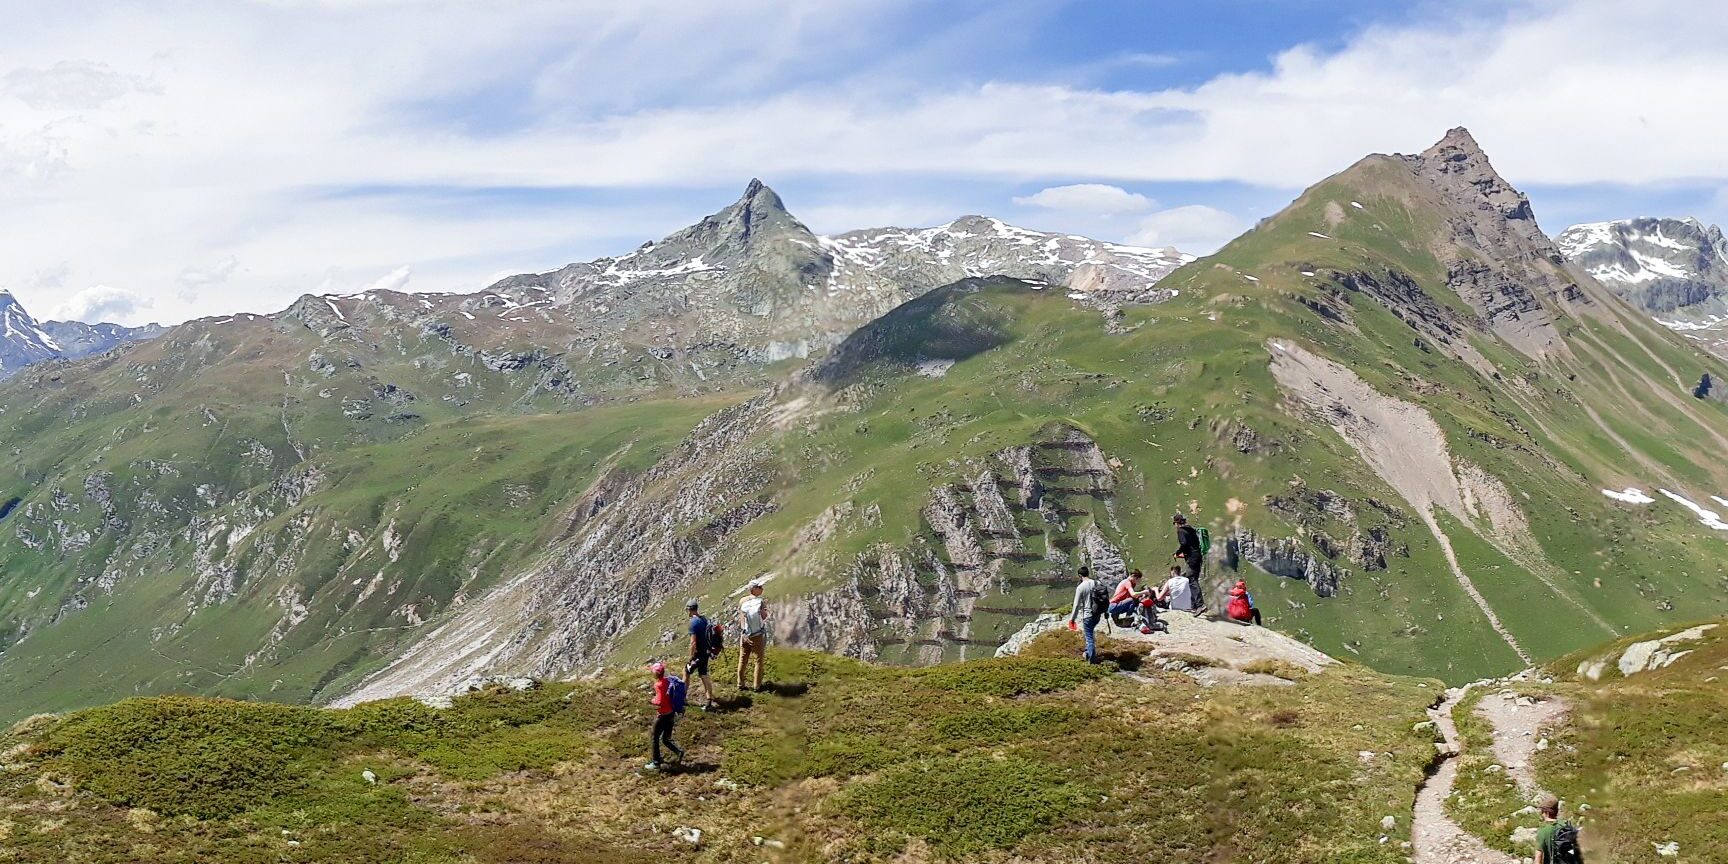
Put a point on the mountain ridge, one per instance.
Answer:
(24, 341)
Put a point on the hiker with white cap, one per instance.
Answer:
(753, 630)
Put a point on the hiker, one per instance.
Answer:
(1191, 552)
(666, 714)
(753, 625)
(1242, 606)
(1177, 592)
(1131, 598)
(702, 647)
(1091, 599)
(1556, 841)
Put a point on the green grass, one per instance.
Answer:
(1042, 759)
(1641, 763)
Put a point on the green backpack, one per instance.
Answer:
(1205, 540)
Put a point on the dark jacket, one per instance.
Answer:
(1188, 543)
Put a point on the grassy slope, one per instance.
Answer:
(1639, 762)
(1164, 397)
(464, 501)
(1037, 757)
(1647, 755)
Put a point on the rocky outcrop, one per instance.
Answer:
(1285, 557)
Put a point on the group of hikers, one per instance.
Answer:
(1129, 604)
(1132, 605)
(707, 641)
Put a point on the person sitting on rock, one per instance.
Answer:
(1177, 592)
(1242, 606)
(1129, 598)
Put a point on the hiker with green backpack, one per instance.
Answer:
(1557, 841)
(1191, 547)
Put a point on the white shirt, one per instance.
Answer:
(1181, 593)
(751, 611)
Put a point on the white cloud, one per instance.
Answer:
(1195, 228)
(103, 304)
(395, 280)
(1099, 198)
(68, 84)
(142, 143)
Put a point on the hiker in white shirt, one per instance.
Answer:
(753, 630)
(1177, 592)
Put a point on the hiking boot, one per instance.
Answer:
(651, 766)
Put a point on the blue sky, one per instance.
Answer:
(168, 161)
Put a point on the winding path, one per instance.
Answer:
(1435, 837)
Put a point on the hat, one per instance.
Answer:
(690, 603)
(1178, 518)
(1242, 583)
(755, 583)
(657, 668)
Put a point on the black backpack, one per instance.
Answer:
(1566, 849)
(1100, 596)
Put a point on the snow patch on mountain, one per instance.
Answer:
(1630, 496)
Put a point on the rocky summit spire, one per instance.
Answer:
(1497, 258)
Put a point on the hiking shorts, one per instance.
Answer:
(698, 666)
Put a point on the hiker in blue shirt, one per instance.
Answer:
(701, 648)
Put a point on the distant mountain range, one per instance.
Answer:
(1431, 442)
(24, 340)
(1675, 269)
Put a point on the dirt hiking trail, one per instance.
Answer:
(1436, 838)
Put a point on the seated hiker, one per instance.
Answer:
(1130, 599)
(1242, 606)
(1177, 592)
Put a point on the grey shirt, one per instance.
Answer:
(1083, 600)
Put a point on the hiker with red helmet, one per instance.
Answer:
(668, 696)
(1242, 606)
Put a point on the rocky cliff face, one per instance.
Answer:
(1674, 269)
(1496, 256)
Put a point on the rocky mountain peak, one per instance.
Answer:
(1457, 165)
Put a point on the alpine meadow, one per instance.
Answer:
(400, 575)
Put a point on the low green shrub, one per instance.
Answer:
(966, 804)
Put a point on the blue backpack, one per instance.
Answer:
(676, 691)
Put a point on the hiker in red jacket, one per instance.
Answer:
(1242, 606)
(665, 716)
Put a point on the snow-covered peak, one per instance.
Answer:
(1675, 269)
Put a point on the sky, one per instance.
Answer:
(168, 159)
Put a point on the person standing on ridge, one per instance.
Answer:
(701, 648)
(1091, 599)
(753, 627)
(1191, 553)
(665, 716)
